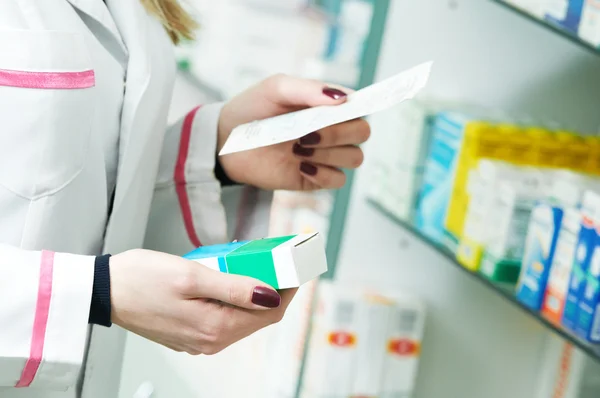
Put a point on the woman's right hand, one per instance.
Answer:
(186, 306)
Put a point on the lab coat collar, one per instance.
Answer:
(132, 23)
(98, 11)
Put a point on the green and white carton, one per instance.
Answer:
(281, 262)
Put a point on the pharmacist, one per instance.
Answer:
(89, 167)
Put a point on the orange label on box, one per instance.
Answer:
(553, 306)
(342, 339)
(403, 347)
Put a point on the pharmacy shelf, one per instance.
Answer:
(501, 290)
(554, 28)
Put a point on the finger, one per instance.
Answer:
(323, 176)
(348, 157)
(353, 132)
(286, 298)
(239, 291)
(297, 92)
(239, 320)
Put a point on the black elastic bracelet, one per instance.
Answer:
(221, 175)
(100, 309)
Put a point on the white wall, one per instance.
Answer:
(476, 344)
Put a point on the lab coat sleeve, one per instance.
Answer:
(190, 208)
(44, 308)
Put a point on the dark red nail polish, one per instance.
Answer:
(302, 151)
(266, 297)
(308, 169)
(334, 93)
(311, 139)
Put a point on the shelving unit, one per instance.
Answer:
(481, 311)
(367, 77)
(553, 28)
(506, 292)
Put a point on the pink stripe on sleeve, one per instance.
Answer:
(179, 177)
(47, 80)
(40, 321)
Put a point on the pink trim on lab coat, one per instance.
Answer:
(40, 321)
(47, 80)
(179, 177)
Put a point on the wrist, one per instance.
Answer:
(100, 307)
(223, 171)
(223, 129)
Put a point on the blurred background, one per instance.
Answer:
(463, 254)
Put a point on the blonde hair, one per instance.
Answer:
(178, 23)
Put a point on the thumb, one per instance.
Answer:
(291, 91)
(239, 291)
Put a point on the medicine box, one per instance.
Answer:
(586, 242)
(589, 26)
(397, 191)
(332, 351)
(481, 184)
(490, 205)
(282, 262)
(402, 142)
(388, 345)
(403, 347)
(581, 260)
(560, 270)
(588, 318)
(565, 14)
(501, 261)
(540, 245)
(374, 315)
(284, 351)
(504, 142)
(434, 196)
(363, 344)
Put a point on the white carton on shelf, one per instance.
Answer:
(285, 347)
(589, 26)
(331, 358)
(482, 185)
(363, 344)
(374, 312)
(502, 195)
(403, 347)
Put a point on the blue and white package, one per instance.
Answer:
(446, 139)
(540, 245)
(565, 14)
(583, 255)
(588, 320)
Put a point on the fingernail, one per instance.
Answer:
(334, 93)
(308, 169)
(311, 139)
(266, 297)
(302, 151)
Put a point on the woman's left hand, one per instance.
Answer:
(313, 162)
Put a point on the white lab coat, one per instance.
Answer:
(53, 188)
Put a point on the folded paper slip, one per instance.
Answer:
(282, 262)
(291, 126)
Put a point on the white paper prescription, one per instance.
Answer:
(292, 126)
